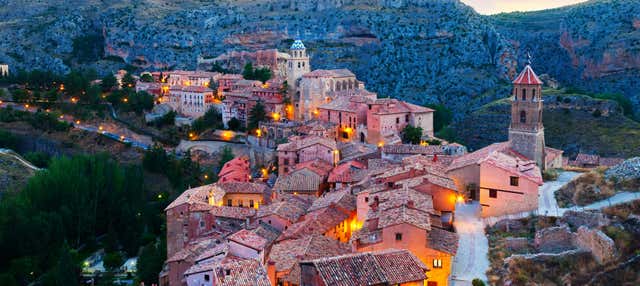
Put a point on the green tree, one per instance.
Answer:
(150, 264)
(226, 155)
(40, 159)
(75, 83)
(112, 261)
(155, 159)
(128, 81)
(247, 72)
(477, 282)
(146, 77)
(256, 115)
(8, 140)
(234, 124)
(211, 119)
(442, 117)
(109, 82)
(411, 134)
(65, 271)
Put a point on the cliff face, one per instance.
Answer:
(422, 51)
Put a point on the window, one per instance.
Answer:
(398, 236)
(286, 161)
(345, 135)
(524, 94)
(229, 202)
(250, 203)
(366, 199)
(513, 181)
(493, 193)
(533, 96)
(240, 203)
(437, 263)
(406, 118)
(397, 120)
(201, 223)
(206, 277)
(523, 117)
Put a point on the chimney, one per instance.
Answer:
(271, 272)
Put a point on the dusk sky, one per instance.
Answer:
(498, 6)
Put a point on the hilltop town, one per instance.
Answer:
(340, 186)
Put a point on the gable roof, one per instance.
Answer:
(500, 155)
(348, 172)
(387, 267)
(304, 142)
(341, 198)
(249, 239)
(306, 177)
(290, 208)
(528, 77)
(316, 222)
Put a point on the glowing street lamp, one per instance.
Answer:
(276, 116)
(258, 133)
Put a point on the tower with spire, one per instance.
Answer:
(298, 63)
(526, 132)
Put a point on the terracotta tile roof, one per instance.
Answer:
(300, 180)
(346, 103)
(502, 156)
(442, 240)
(394, 198)
(304, 142)
(316, 125)
(192, 250)
(316, 222)
(404, 214)
(348, 172)
(329, 73)
(351, 151)
(527, 76)
(197, 195)
(245, 272)
(236, 170)
(341, 198)
(393, 106)
(584, 159)
(209, 265)
(290, 209)
(387, 267)
(219, 249)
(317, 166)
(249, 239)
(286, 254)
(242, 187)
(610, 162)
(233, 212)
(379, 166)
(414, 149)
(267, 231)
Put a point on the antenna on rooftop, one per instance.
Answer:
(528, 58)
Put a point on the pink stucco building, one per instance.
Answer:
(303, 149)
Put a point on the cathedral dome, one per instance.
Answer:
(297, 45)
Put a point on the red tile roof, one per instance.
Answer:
(286, 254)
(341, 198)
(245, 272)
(316, 222)
(527, 76)
(501, 156)
(387, 267)
(242, 187)
(304, 142)
(393, 106)
(587, 159)
(249, 239)
(329, 73)
(442, 240)
(233, 212)
(414, 149)
(348, 172)
(290, 209)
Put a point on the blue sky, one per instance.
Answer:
(497, 6)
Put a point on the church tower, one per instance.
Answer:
(526, 133)
(298, 63)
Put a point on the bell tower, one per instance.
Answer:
(298, 63)
(526, 132)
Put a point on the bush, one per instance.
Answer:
(550, 175)
(8, 140)
(597, 113)
(477, 282)
(112, 260)
(235, 124)
(40, 159)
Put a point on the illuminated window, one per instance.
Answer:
(437, 263)
(513, 181)
(250, 203)
(229, 202)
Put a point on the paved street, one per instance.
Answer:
(471, 260)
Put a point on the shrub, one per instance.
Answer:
(477, 282)
(550, 175)
(597, 113)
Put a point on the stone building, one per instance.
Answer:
(323, 86)
(297, 64)
(190, 101)
(303, 149)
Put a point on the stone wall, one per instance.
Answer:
(601, 246)
(517, 243)
(554, 239)
(576, 219)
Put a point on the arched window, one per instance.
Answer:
(298, 64)
(524, 94)
(523, 117)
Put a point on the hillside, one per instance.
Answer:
(594, 46)
(14, 171)
(573, 122)
(426, 51)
